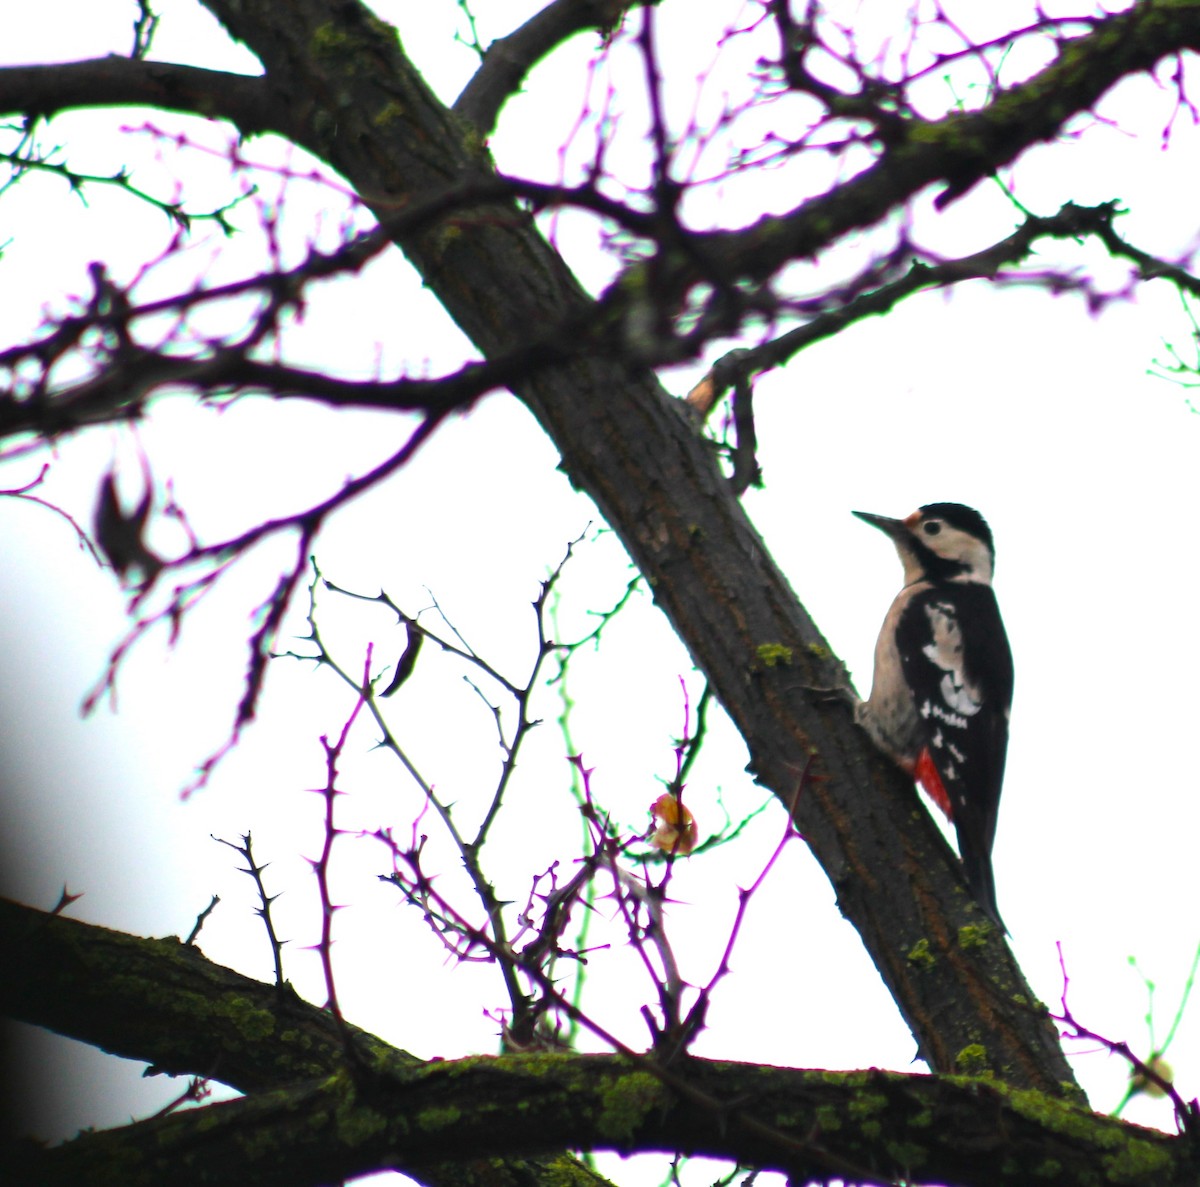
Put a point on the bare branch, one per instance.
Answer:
(1148, 1071)
(958, 150)
(42, 91)
(508, 60)
(263, 910)
(834, 311)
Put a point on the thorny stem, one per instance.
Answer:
(493, 935)
(1189, 984)
(588, 898)
(533, 961)
(744, 896)
(658, 1064)
(468, 849)
(22, 162)
(263, 910)
(871, 296)
(1157, 1050)
(329, 794)
(522, 695)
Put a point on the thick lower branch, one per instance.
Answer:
(161, 1002)
(164, 1003)
(871, 1127)
(315, 1119)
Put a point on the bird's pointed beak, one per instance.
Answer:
(891, 527)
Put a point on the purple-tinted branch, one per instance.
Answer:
(834, 312)
(329, 794)
(1187, 1113)
(962, 148)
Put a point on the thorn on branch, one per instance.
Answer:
(65, 899)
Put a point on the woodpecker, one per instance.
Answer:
(943, 681)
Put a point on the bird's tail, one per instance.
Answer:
(978, 869)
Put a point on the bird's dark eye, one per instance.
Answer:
(932, 527)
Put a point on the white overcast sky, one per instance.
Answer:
(1023, 405)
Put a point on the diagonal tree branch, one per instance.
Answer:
(963, 148)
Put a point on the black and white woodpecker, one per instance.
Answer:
(943, 682)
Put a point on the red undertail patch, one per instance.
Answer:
(926, 774)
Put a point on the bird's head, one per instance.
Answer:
(940, 542)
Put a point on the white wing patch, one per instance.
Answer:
(946, 651)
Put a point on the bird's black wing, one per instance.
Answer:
(956, 660)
